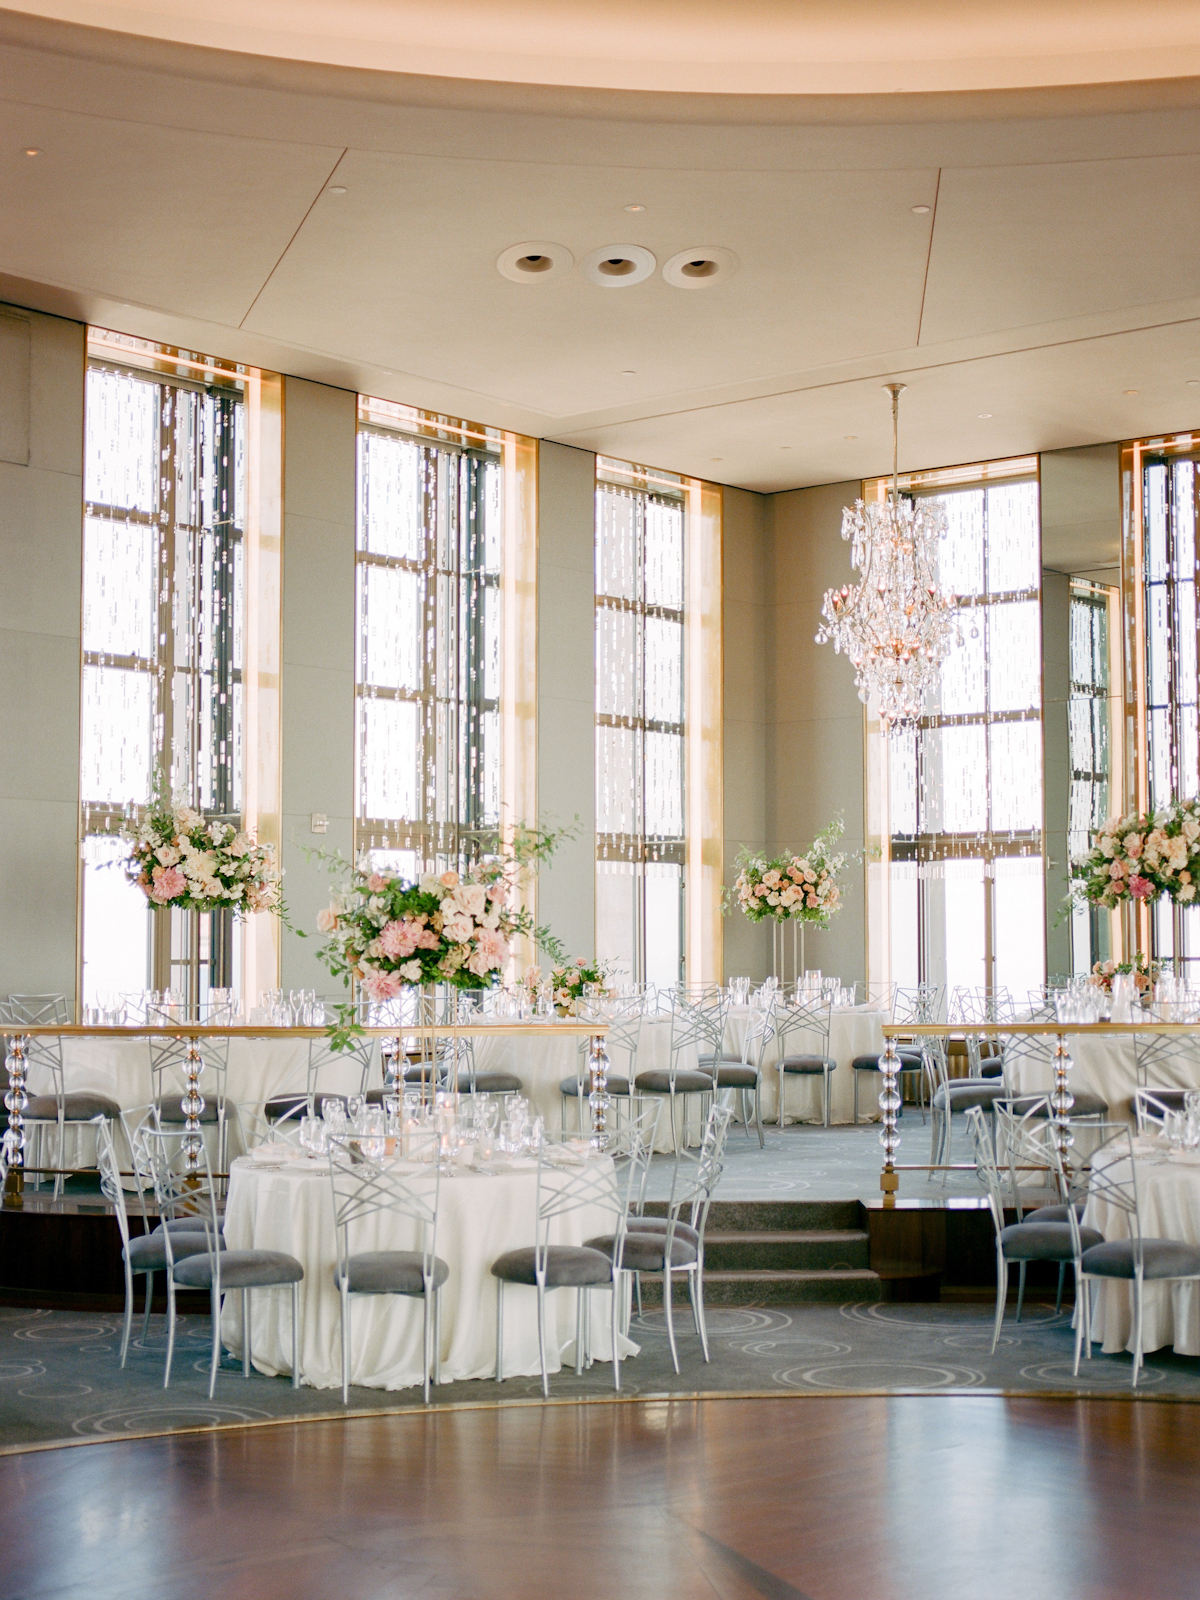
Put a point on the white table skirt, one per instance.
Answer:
(1169, 1203)
(479, 1219)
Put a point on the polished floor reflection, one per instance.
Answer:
(832, 1499)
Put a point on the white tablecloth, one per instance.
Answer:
(1169, 1204)
(479, 1219)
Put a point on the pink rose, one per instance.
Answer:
(168, 882)
(1140, 888)
(491, 952)
(326, 919)
(382, 986)
(449, 880)
(378, 882)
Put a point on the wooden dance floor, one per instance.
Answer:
(831, 1499)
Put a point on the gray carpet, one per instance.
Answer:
(60, 1382)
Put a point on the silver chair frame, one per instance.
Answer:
(800, 1017)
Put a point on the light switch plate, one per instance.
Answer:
(319, 822)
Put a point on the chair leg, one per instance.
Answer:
(295, 1336)
(427, 1300)
(758, 1112)
(856, 1099)
(499, 1330)
(345, 1346)
(127, 1324)
(214, 1300)
(245, 1333)
(1001, 1298)
(669, 1317)
(618, 1285)
(1062, 1278)
(579, 1299)
(437, 1336)
(146, 1316)
(170, 1328)
(1138, 1298)
(541, 1316)
(827, 1098)
(779, 1113)
(1021, 1289)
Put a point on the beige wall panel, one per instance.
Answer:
(41, 572)
(566, 695)
(318, 656)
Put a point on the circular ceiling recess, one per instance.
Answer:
(617, 266)
(535, 261)
(700, 267)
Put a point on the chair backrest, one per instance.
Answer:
(1155, 1054)
(110, 1176)
(255, 1127)
(980, 1005)
(1026, 1139)
(135, 1120)
(697, 1024)
(321, 1054)
(37, 1010)
(363, 1188)
(804, 1019)
(633, 1142)
(1111, 1176)
(611, 1182)
(695, 1177)
(1150, 1109)
(760, 1030)
(920, 1004)
(170, 1055)
(181, 1192)
(984, 1050)
(623, 1019)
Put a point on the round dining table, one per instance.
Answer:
(1168, 1189)
(281, 1198)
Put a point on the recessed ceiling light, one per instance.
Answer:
(849, 437)
(785, 447)
(32, 152)
(700, 267)
(634, 208)
(1128, 391)
(629, 372)
(985, 416)
(921, 211)
(336, 188)
(618, 266)
(535, 261)
(716, 458)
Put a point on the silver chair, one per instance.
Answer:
(597, 1183)
(1021, 1140)
(168, 1082)
(697, 1029)
(58, 1109)
(624, 1022)
(363, 1188)
(1023, 1241)
(1157, 1055)
(185, 1193)
(1034, 1054)
(953, 1096)
(742, 1074)
(1132, 1260)
(674, 1245)
(1151, 1106)
(147, 1252)
(287, 1104)
(804, 1022)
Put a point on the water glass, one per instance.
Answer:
(373, 1134)
(356, 1104)
(333, 1111)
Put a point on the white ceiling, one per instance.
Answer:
(184, 194)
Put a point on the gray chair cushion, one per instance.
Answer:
(1052, 1213)
(389, 1272)
(1163, 1258)
(425, 1072)
(646, 1252)
(683, 1230)
(1044, 1241)
(736, 1076)
(808, 1063)
(567, 1266)
(1170, 1099)
(1086, 1105)
(148, 1251)
(685, 1082)
(968, 1092)
(616, 1085)
(80, 1107)
(910, 1061)
(991, 1069)
(286, 1105)
(241, 1269)
(170, 1109)
(490, 1083)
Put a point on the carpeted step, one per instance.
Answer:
(774, 1288)
(799, 1249)
(761, 1216)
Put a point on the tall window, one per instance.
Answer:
(640, 757)
(163, 632)
(967, 881)
(1168, 577)
(430, 526)
(1089, 737)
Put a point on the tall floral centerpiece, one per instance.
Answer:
(1140, 858)
(570, 979)
(800, 889)
(183, 862)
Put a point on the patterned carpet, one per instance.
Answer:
(59, 1379)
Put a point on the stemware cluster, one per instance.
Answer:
(448, 1129)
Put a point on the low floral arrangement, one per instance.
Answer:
(1141, 858)
(184, 863)
(571, 978)
(791, 887)
(1145, 974)
(385, 933)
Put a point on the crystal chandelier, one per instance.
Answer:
(896, 624)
